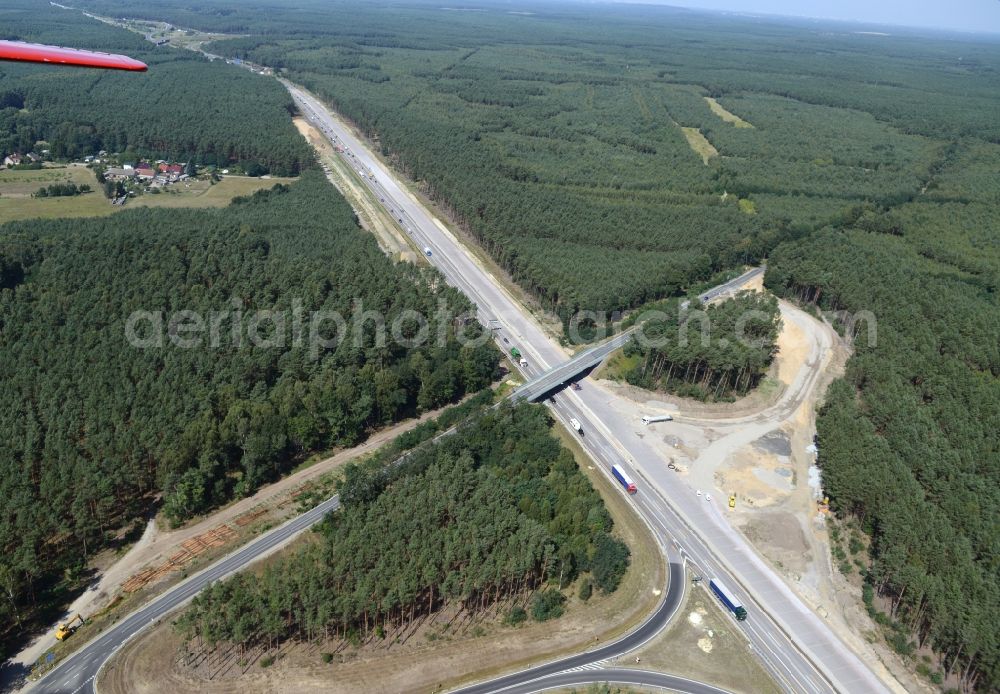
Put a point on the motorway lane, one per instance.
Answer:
(77, 672)
(621, 676)
(770, 646)
(792, 641)
(493, 303)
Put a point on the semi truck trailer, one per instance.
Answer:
(623, 479)
(728, 600)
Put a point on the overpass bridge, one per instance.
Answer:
(536, 388)
(558, 376)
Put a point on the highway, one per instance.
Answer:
(796, 646)
(791, 641)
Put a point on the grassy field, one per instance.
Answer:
(703, 643)
(16, 187)
(23, 183)
(701, 146)
(617, 366)
(725, 115)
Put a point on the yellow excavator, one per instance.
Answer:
(67, 629)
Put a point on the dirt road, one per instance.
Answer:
(157, 544)
(757, 448)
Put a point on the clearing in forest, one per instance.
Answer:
(701, 146)
(196, 193)
(725, 115)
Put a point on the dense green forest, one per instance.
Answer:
(184, 108)
(866, 168)
(94, 428)
(708, 353)
(555, 134)
(492, 513)
(909, 439)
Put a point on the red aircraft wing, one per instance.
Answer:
(38, 53)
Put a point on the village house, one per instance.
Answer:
(170, 169)
(13, 160)
(115, 174)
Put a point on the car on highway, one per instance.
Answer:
(427, 250)
(574, 385)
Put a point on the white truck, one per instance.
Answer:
(651, 418)
(575, 423)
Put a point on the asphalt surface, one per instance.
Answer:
(647, 630)
(619, 676)
(77, 672)
(796, 646)
(554, 378)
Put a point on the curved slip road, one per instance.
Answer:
(646, 631)
(636, 678)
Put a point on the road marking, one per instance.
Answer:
(84, 685)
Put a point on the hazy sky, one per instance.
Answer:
(964, 15)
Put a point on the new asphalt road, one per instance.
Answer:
(646, 631)
(77, 672)
(621, 676)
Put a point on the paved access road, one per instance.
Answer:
(77, 672)
(623, 676)
(795, 645)
(646, 631)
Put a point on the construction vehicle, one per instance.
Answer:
(67, 629)
(732, 501)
